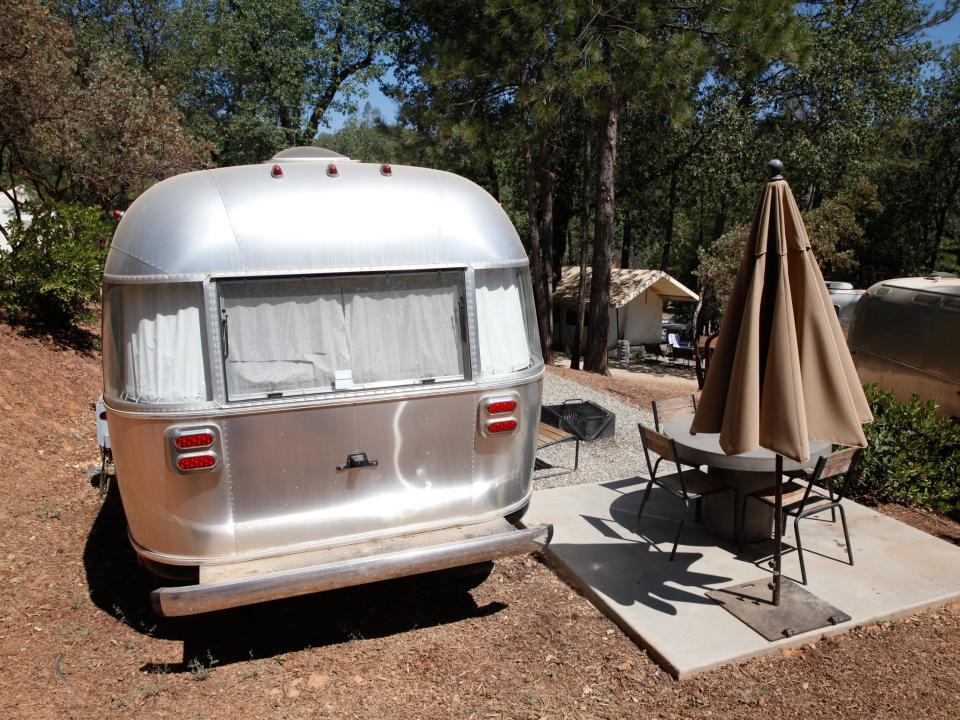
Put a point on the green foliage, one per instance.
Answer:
(835, 233)
(913, 456)
(250, 76)
(52, 271)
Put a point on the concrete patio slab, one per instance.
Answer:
(663, 606)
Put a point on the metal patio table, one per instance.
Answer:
(746, 472)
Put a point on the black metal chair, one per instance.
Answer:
(801, 499)
(690, 485)
(664, 410)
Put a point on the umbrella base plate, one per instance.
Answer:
(799, 611)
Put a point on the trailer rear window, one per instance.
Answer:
(506, 321)
(294, 336)
(153, 348)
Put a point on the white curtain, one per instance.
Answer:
(502, 307)
(283, 335)
(404, 327)
(299, 335)
(159, 346)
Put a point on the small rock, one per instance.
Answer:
(625, 666)
(317, 681)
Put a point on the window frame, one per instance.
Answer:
(457, 274)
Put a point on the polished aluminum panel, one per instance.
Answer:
(174, 513)
(241, 220)
(904, 337)
(278, 487)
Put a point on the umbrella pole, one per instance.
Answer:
(778, 529)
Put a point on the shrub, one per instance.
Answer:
(52, 271)
(913, 457)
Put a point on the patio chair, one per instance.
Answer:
(802, 499)
(691, 485)
(671, 408)
(664, 410)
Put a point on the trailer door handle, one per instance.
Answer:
(357, 460)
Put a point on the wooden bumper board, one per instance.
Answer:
(367, 562)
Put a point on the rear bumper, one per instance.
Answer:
(226, 586)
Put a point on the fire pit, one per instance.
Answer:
(582, 419)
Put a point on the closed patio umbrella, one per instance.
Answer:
(781, 374)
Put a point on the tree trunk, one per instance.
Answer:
(700, 315)
(596, 355)
(584, 245)
(540, 281)
(668, 231)
(627, 241)
(720, 222)
(547, 219)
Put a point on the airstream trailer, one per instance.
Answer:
(905, 337)
(318, 373)
(844, 298)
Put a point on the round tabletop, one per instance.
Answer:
(704, 449)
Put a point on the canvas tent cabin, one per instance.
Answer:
(318, 373)
(636, 304)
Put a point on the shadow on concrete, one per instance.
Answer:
(638, 569)
(119, 587)
(635, 573)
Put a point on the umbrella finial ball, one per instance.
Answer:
(776, 169)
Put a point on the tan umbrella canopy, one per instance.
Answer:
(781, 374)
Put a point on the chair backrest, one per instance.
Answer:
(664, 410)
(673, 339)
(842, 462)
(658, 443)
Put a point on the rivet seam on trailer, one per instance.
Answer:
(473, 440)
(227, 475)
(138, 259)
(310, 401)
(212, 300)
(226, 211)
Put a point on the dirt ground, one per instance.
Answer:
(77, 637)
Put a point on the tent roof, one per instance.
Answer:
(625, 285)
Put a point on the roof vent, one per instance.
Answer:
(307, 154)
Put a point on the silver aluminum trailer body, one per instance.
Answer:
(844, 298)
(905, 337)
(318, 373)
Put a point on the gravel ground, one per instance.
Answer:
(615, 458)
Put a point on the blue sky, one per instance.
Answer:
(944, 34)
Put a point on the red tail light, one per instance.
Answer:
(203, 461)
(276, 172)
(498, 407)
(386, 170)
(191, 440)
(332, 170)
(501, 426)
